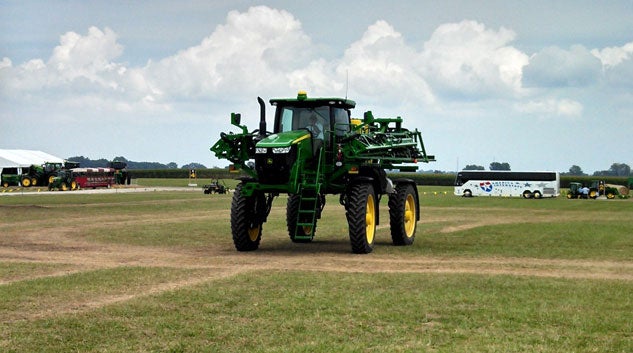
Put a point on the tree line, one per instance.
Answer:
(103, 163)
(616, 169)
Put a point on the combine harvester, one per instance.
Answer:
(315, 149)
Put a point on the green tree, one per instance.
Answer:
(499, 166)
(617, 169)
(575, 170)
(193, 166)
(474, 167)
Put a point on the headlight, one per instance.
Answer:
(262, 150)
(279, 150)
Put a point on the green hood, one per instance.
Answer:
(284, 139)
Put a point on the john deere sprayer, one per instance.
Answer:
(315, 148)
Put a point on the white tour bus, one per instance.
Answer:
(506, 183)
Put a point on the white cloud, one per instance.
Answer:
(251, 51)
(467, 59)
(613, 56)
(382, 66)
(550, 107)
(617, 64)
(5, 63)
(556, 67)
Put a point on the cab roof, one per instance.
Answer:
(303, 100)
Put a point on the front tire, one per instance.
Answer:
(361, 217)
(26, 182)
(245, 223)
(403, 209)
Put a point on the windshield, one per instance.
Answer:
(295, 118)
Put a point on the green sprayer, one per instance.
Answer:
(314, 149)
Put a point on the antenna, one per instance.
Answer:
(346, 82)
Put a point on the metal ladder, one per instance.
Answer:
(309, 193)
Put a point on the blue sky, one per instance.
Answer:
(541, 85)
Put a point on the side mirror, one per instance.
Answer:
(236, 118)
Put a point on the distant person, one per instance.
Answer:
(584, 191)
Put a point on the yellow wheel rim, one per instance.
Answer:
(64, 187)
(50, 179)
(73, 185)
(253, 233)
(409, 216)
(370, 219)
(26, 182)
(33, 181)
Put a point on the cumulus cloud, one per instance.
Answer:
(381, 65)
(252, 50)
(467, 59)
(5, 63)
(556, 67)
(551, 107)
(264, 50)
(617, 64)
(77, 57)
(613, 56)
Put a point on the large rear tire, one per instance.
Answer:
(403, 208)
(361, 217)
(245, 223)
(292, 215)
(26, 182)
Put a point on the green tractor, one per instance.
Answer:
(64, 181)
(598, 188)
(315, 148)
(40, 175)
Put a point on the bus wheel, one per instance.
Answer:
(467, 193)
(527, 194)
(537, 195)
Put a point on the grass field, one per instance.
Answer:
(157, 272)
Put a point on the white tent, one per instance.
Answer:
(24, 158)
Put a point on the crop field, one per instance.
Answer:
(156, 271)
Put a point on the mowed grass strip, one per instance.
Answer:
(30, 299)
(291, 311)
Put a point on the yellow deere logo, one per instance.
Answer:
(269, 161)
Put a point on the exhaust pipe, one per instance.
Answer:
(262, 116)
